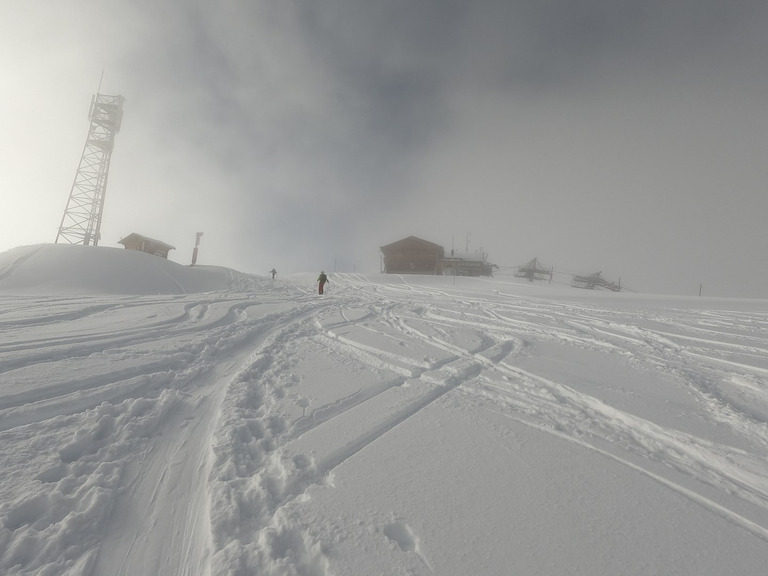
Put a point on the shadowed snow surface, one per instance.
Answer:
(163, 419)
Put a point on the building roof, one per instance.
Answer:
(410, 239)
(134, 236)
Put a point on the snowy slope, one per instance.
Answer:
(69, 269)
(161, 419)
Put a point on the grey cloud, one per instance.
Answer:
(615, 135)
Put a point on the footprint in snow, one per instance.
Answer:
(402, 535)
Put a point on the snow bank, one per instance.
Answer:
(73, 269)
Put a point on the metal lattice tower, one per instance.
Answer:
(81, 223)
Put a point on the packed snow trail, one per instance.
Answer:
(136, 385)
(394, 424)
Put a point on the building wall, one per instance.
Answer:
(141, 244)
(412, 256)
(462, 267)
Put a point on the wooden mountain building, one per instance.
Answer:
(144, 244)
(474, 264)
(413, 255)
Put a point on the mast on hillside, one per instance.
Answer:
(81, 222)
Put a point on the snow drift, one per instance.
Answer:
(71, 269)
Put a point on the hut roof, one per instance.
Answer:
(133, 236)
(410, 240)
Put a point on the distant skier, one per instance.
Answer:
(273, 272)
(321, 280)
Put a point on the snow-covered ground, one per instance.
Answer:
(161, 419)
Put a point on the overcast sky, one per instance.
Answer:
(628, 137)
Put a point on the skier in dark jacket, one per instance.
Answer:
(321, 280)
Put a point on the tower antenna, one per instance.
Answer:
(81, 222)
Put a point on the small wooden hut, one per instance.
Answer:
(144, 244)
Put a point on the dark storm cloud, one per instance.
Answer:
(551, 43)
(335, 119)
(385, 66)
(319, 110)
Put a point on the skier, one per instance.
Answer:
(273, 272)
(321, 280)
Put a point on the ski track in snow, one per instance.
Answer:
(149, 397)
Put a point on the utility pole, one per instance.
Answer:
(194, 252)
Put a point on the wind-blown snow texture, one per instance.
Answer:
(160, 419)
